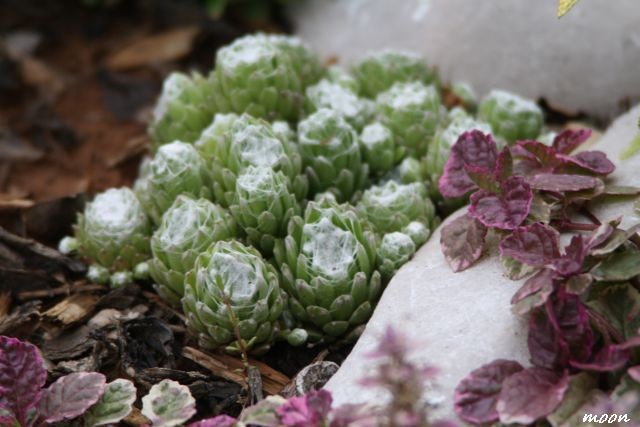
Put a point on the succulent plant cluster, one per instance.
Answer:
(282, 195)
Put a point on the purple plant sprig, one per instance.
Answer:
(503, 185)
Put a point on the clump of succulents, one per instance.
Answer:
(251, 142)
(187, 229)
(263, 204)
(177, 168)
(113, 232)
(328, 262)
(392, 206)
(183, 110)
(511, 117)
(413, 112)
(282, 195)
(331, 154)
(233, 299)
(378, 71)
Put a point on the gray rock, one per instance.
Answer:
(463, 320)
(586, 61)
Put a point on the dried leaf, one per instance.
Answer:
(168, 404)
(462, 241)
(70, 396)
(114, 405)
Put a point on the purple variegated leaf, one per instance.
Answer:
(574, 326)
(602, 233)
(219, 421)
(504, 165)
(482, 178)
(531, 394)
(70, 396)
(547, 346)
(590, 161)
(476, 395)
(609, 359)
(578, 284)
(310, 410)
(534, 292)
(571, 261)
(22, 375)
(559, 183)
(472, 148)
(507, 210)
(567, 141)
(462, 241)
(168, 404)
(535, 245)
(546, 156)
(634, 372)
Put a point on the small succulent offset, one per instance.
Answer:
(255, 75)
(233, 299)
(413, 112)
(177, 168)
(263, 205)
(379, 149)
(392, 206)
(187, 229)
(252, 142)
(113, 233)
(511, 117)
(331, 154)
(184, 109)
(328, 262)
(378, 71)
(334, 96)
(395, 250)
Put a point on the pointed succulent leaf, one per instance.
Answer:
(462, 241)
(506, 210)
(477, 394)
(114, 405)
(531, 394)
(70, 396)
(22, 375)
(168, 404)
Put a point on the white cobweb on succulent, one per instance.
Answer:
(397, 242)
(375, 134)
(330, 249)
(392, 194)
(259, 182)
(171, 90)
(172, 159)
(114, 211)
(236, 273)
(246, 51)
(335, 96)
(404, 95)
(515, 103)
(182, 224)
(461, 125)
(255, 147)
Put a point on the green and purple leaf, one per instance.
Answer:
(71, 396)
(310, 410)
(535, 245)
(168, 404)
(506, 210)
(462, 241)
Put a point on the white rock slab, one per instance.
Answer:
(587, 61)
(463, 320)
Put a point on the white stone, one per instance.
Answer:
(463, 320)
(586, 61)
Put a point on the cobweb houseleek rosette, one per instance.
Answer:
(212, 134)
(187, 229)
(328, 264)
(255, 75)
(232, 288)
(305, 61)
(331, 155)
(413, 112)
(391, 206)
(511, 117)
(183, 110)
(252, 142)
(378, 71)
(327, 94)
(395, 250)
(263, 204)
(177, 168)
(378, 148)
(113, 232)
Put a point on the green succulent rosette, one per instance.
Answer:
(183, 110)
(305, 61)
(212, 134)
(391, 206)
(187, 229)
(413, 112)
(231, 287)
(255, 75)
(177, 168)
(511, 117)
(327, 262)
(419, 232)
(409, 170)
(466, 95)
(378, 148)
(377, 72)
(339, 75)
(395, 250)
(113, 231)
(331, 155)
(283, 131)
(263, 205)
(326, 94)
(252, 142)
(440, 148)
